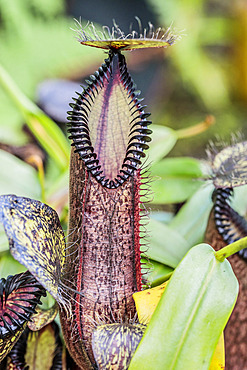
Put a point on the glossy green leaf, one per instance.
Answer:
(157, 272)
(162, 216)
(177, 167)
(49, 136)
(173, 190)
(218, 359)
(163, 140)
(166, 245)
(146, 302)
(186, 326)
(191, 220)
(176, 179)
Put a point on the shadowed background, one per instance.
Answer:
(205, 72)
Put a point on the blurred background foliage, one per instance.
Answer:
(204, 73)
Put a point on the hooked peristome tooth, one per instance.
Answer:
(114, 122)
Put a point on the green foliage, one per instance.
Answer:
(195, 65)
(200, 284)
(191, 220)
(163, 140)
(176, 179)
(193, 311)
(169, 250)
(158, 272)
(36, 43)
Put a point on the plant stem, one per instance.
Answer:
(196, 129)
(230, 249)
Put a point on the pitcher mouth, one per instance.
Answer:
(108, 125)
(19, 296)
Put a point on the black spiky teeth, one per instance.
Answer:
(79, 129)
(222, 213)
(230, 225)
(19, 295)
(18, 352)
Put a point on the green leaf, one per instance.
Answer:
(49, 135)
(157, 272)
(173, 190)
(17, 177)
(179, 166)
(189, 319)
(163, 140)
(162, 216)
(166, 245)
(191, 220)
(176, 179)
(239, 199)
(41, 347)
